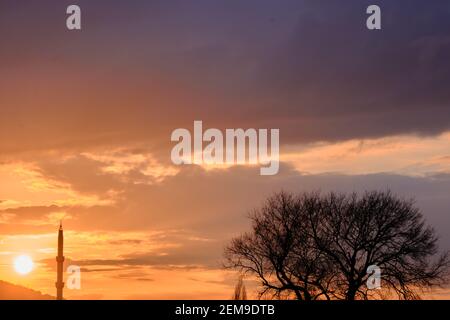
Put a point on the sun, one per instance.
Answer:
(23, 264)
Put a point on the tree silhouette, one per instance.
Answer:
(240, 293)
(320, 247)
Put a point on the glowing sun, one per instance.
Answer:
(23, 264)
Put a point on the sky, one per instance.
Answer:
(86, 118)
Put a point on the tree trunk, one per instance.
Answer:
(351, 292)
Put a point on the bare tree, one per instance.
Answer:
(280, 252)
(320, 247)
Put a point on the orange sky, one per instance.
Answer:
(130, 244)
(86, 119)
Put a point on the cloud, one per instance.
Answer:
(22, 219)
(310, 68)
(210, 204)
(126, 241)
(407, 155)
(188, 237)
(81, 173)
(187, 254)
(86, 119)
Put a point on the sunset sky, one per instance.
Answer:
(86, 118)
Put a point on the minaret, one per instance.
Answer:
(60, 262)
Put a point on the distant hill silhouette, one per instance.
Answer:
(9, 291)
